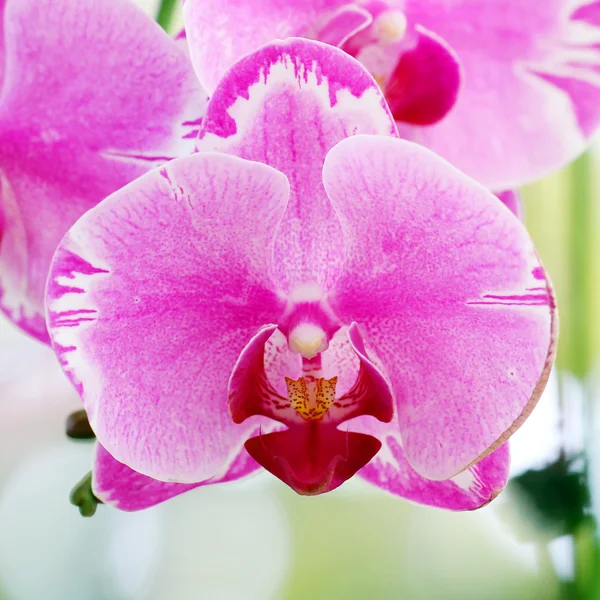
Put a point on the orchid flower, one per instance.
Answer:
(306, 293)
(92, 95)
(506, 90)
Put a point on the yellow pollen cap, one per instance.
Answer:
(311, 399)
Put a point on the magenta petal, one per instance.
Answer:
(424, 85)
(371, 393)
(221, 32)
(250, 392)
(342, 24)
(446, 285)
(531, 90)
(589, 13)
(152, 296)
(471, 489)
(313, 459)
(2, 50)
(513, 201)
(125, 489)
(287, 105)
(94, 95)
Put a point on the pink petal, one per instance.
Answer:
(424, 85)
(448, 290)
(2, 50)
(332, 458)
(94, 95)
(513, 201)
(125, 489)
(471, 489)
(151, 298)
(531, 93)
(342, 24)
(287, 105)
(221, 32)
(590, 13)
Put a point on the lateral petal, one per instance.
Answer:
(450, 294)
(152, 296)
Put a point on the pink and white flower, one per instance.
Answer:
(308, 293)
(92, 95)
(506, 90)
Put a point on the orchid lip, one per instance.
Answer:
(313, 454)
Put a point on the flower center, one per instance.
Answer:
(390, 26)
(308, 340)
(311, 397)
(379, 46)
(312, 454)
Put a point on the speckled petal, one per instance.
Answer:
(152, 296)
(221, 32)
(531, 93)
(473, 488)
(287, 105)
(94, 95)
(119, 486)
(449, 293)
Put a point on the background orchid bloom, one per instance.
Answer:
(92, 95)
(506, 90)
(306, 290)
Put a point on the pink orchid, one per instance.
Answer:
(92, 95)
(506, 90)
(308, 293)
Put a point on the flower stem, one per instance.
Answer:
(165, 14)
(587, 540)
(581, 244)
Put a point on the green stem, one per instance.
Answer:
(566, 589)
(166, 13)
(581, 249)
(587, 559)
(587, 547)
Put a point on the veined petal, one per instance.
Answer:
(94, 95)
(221, 32)
(531, 93)
(117, 485)
(473, 488)
(450, 295)
(152, 296)
(2, 51)
(287, 105)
